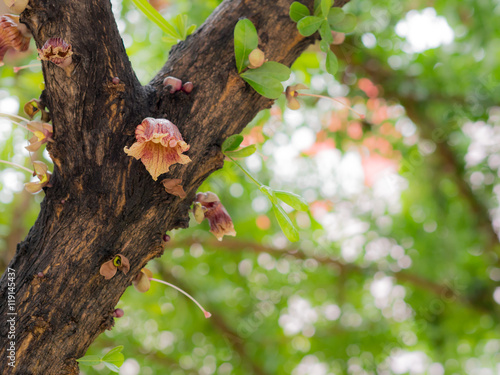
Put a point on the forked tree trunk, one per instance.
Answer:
(102, 201)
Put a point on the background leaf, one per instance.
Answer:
(157, 18)
(267, 79)
(307, 26)
(232, 143)
(285, 223)
(293, 200)
(332, 64)
(244, 152)
(346, 25)
(246, 40)
(89, 360)
(298, 11)
(325, 7)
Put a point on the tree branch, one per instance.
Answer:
(103, 202)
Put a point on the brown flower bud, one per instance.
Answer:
(174, 84)
(187, 87)
(256, 58)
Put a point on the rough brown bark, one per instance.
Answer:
(103, 202)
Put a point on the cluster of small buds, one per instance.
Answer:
(173, 85)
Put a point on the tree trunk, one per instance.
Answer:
(103, 202)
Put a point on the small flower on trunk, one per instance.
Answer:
(41, 171)
(216, 214)
(42, 134)
(141, 281)
(158, 145)
(291, 95)
(109, 269)
(57, 51)
(174, 187)
(13, 34)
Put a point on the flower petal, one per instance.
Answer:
(124, 264)
(108, 269)
(141, 281)
(174, 187)
(33, 187)
(57, 51)
(159, 145)
(11, 35)
(220, 222)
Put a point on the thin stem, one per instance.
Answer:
(18, 68)
(12, 116)
(16, 165)
(205, 312)
(246, 172)
(21, 125)
(336, 100)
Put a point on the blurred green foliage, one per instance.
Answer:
(397, 268)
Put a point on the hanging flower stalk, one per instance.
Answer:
(208, 206)
(292, 93)
(40, 170)
(42, 131)
(158, 145)
(142, 283)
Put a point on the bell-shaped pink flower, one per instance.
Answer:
(57, 51)
(158, 145)
(13, 34)
(220, 222)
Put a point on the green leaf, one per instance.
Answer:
(274, 69)
(324, 46)
(317, 7)
(232, 143)
(335, 16)
(112, 366)
(114, 359)
(112, 353)
(332, 64)
(285, 223)
(244, 152)
(268, 192)
(309, 25)
(325, 7)
(326, 33)
(157, 18)
(298, 11)
(191, 29)
(180, 23)
(267, 79)
(89, 360)
(347, 24)
(245, 41)
(293, 200)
